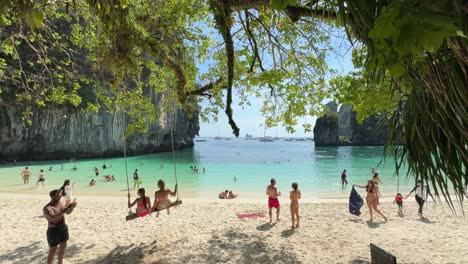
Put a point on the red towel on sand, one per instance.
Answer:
(254, 215)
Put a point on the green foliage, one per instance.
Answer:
(344, 140)
(406, 30)
(411, 59)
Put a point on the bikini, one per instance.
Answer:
(141, 214)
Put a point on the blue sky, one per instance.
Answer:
(249, 118)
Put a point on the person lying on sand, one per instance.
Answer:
(223, 195)
(232, 195)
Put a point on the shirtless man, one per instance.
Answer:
(57, 230)
(273, 194)
(26, 173)
(161, 200)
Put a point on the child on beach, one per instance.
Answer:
(399, 201)
(295, 195)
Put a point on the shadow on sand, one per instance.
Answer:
(425, 220)
(359, 261)
(36, 252)
(234, 246)
(127, 254)
(372, 224)
(265, 226)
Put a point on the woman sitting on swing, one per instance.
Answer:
(143, 203)
(161, 200)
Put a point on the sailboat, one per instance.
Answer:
(265, 138)
(218, 137)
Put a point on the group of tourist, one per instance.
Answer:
(373, 194)
(161, 200)
(227, 195)
(273, 202)
(195, 169)
(26, 174)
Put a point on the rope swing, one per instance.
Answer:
(131, 215)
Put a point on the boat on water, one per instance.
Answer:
(200, 140)
(266, 139)
(300, 139)
(248, 137)
(218, 138)
(288, 139)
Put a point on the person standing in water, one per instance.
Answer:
(295, 195)
(41, 179)
(273, 201)
(136, 179)
(57, 229)
(343, 178)
(26, 173)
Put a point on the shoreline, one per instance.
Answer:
(208, 231)
(338, 199)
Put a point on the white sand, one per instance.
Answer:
(208, 232)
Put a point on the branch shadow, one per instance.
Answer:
(265, 227)
(126, 254)
(234, 246)
(30, 253)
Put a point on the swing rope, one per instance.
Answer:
(125, 160)
(173, 150)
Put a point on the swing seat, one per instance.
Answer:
(133, 216)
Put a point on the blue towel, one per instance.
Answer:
(355, 202)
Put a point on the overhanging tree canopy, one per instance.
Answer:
(411, 56)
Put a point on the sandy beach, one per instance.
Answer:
(202, 231)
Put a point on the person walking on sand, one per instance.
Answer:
(273, 201)
(372, 199)
(343, 178)
(41, 179)
(26, 173)
(421, 196)
(136, 179)
(295, 195)
(57, 229)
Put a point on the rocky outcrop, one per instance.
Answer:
(58, 133)
(342, 129)
(326, 128)
(373, 131)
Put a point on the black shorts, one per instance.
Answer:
(41, 179)
(57, 234)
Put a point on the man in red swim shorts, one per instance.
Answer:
(273, 194)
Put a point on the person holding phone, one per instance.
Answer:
(57, 230)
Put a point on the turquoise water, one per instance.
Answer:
(253, 163)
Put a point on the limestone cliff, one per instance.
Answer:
(58, 133)
(342, 129)
(326, 128)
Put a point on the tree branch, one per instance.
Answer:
(202, 91)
